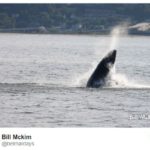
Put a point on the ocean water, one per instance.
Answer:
(43, 79)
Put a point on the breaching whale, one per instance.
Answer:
(98, 77)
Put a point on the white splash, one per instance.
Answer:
(119, 80)
(82, 80)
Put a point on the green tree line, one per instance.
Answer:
(85, 16)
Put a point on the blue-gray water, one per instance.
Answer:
(43, 77)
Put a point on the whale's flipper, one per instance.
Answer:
(98, 77)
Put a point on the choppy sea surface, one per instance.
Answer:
(43, 79)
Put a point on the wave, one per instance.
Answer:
(117, 84)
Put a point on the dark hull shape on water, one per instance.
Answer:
(98, 77)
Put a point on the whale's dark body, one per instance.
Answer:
(98, 78)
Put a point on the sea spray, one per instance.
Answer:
(119, 80)
(115, 35)
(82, 80)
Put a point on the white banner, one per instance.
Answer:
(74, 139)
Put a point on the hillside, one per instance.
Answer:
(71, 18)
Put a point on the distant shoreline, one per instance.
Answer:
(78, 33)
(138, 29)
